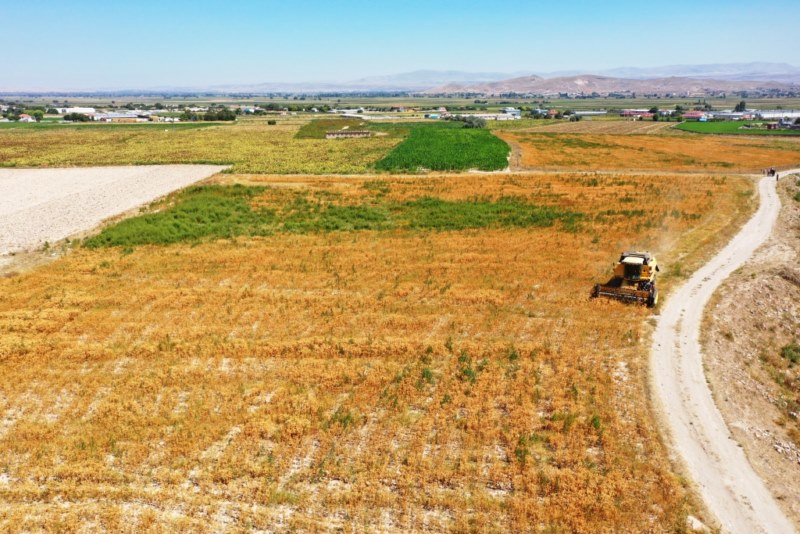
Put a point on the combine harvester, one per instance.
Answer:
(634, 280)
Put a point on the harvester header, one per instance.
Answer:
(634, 280)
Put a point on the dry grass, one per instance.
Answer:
(588, 126)
(395, 381)
(651, 152)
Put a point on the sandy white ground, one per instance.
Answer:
(38, 205)
(726, 481)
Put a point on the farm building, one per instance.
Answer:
(732, 115)
(26, 118)
(694, 115)
(772, 114)
(82, 111)
(589, 113)
(493, 116)
(635, 113)
(118, 117)
(347, 134)
(513, 112)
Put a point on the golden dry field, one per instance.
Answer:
(589, 126)
(250, 146)
(693, 153)
(399, 380)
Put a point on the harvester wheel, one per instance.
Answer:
(653, 300)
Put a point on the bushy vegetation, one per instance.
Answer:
(439, 148)
(791, 353)
(213, 212)
(199, 212)
(77, 117)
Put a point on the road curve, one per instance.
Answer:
(729, 486)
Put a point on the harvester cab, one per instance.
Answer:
(634, 280)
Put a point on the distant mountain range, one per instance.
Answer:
(755, 71)
(434, 80)
(604, 85)
(674, 78)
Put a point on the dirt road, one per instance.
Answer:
(39, 205)
(727, 483)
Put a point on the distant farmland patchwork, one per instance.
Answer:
(449, 377)
(256, 147)
(249, 148)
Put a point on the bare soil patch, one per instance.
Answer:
(39, 206)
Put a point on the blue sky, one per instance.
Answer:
(138, 44)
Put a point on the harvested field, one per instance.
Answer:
(689, 153)
(605, 127)
(47, 205)
(396, 380)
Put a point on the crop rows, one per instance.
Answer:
(375, 380)
(440, 148)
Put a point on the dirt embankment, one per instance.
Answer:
(754, 315)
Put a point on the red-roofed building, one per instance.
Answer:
(695, 115)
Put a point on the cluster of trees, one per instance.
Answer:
(214, 114)
(469, 121)
(14, 112)
(77, 117)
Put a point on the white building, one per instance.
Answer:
(775, 114)
(118, 117)
(82, 111)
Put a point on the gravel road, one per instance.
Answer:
(727, 483)
(38, 205)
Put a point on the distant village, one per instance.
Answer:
(11, 112)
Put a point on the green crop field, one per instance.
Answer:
(218, 212)
(446, 147)
(317, 129)
(732, 127)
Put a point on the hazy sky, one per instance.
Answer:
(88, 44)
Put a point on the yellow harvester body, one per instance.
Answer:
(634, 280)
